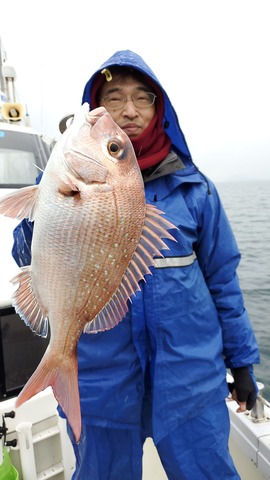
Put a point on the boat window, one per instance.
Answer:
(17, 167)
(22, 156)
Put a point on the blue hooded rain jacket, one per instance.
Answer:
(167, 359)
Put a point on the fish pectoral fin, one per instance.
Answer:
(26, 305)
(20, 204)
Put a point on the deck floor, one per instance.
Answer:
(152, 467)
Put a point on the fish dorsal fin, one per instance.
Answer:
(20, 204)
(25, 303)
(150, 244)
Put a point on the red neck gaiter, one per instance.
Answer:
(153, 145)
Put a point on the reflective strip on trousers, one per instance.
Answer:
(168, 262)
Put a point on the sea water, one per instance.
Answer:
(248, 207)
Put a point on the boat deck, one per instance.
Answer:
(43, 449)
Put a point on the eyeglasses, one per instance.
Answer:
(115, 101)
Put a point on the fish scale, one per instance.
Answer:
(94, 240)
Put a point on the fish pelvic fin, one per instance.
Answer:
(26, 305)
(62, 376)
(150, 245)
(20, 203)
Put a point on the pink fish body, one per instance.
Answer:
(94, 239)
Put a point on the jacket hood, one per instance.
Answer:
(170, 120)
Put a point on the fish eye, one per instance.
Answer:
(115, 148)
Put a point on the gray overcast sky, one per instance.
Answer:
(211, 56)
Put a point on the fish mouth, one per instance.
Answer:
(80, 160)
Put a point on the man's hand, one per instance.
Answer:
(243, 389)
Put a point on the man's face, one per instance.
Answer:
(131, 118)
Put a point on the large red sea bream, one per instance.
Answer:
(94, 240)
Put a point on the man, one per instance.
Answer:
(162, 371)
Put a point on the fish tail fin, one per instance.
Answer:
(63, 378)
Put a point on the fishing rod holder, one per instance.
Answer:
(4, 429)
(257, 413)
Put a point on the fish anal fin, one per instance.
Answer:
(26, 305)
(62, 376)
(20, 203)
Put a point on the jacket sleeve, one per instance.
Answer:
(22, 239)
(219, 257)
(21, 250)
